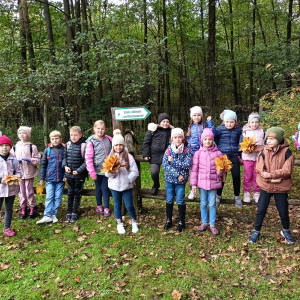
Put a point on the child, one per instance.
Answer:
(195, 130)
(227, 137)
(275, 165)
(155, 144)
(207, 178)
(29, 158)
(75, 171)
(296, 138)
(176, 163)
(252, 129)
(53, 172)
(122, 181)
(8, 166)
(97, 149)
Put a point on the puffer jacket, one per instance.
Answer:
(204, 173)
(180, 165)
(259, 136)
(28, 169)
(74, 160)
(7, 168)
(228, 140)
(96, 151)
(124, 179)
(194, 141)
(156, 142)
(279, 167)
(51, 169)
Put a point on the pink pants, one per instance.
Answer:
(27, 192)
(250, 176)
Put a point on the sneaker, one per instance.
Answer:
(135, 228)
(31, 213)
(120, 228)
(247, 197)
(106, 213)
(202, 227)
(238, 202)
(191, 195)
(9, 232)
(218, 200)
(254, 236)
(68, 218)
(54, 219)
(287, 236)
(23, 212)
(99, 210)
(214, 230)
(256, 196)
(45, 219)
(74, 218)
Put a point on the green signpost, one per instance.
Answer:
(131, 113)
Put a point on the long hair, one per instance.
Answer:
(126, 155)
(190, 126)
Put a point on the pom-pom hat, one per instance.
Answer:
(177, 131)
(196, 110)
(207, 132)
(118, 138)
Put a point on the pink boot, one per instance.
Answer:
(23, 212)
(9, 232)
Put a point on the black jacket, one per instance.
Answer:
(156, 142)
(74, 159)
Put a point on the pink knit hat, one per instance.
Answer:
(207, 132)
(5, 140)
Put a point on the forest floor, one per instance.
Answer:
(89, 260)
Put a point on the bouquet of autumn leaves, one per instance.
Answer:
(112, 164)
(248, 145)
(12, 179)
(223, 164)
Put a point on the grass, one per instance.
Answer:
(90, 260)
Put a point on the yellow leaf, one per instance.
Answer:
(111, 164)
(292, 96)
(12, 179)
(223, 164)
(176, 295)
(248, 145)
(39, 190)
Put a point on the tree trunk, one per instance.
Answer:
(252, 54)
(69, 28)
(49, 31)
(275, 19)
(46, 125)
(22, 34)
(288, 40)
(85, 28)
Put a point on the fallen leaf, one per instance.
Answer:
(77, 279)
(17, 276)
(176, 295)
(120, 283)
(57, 231)
(159, 271)
(3, 267)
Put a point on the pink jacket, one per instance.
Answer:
(29, 170)
(204, 173)
(6, 168)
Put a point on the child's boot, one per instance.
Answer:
(23, 212)
(120, 228)
(135, 227)
(68, 218)
(238, 202)
(74, 218)
(169, 212)
(247, 197)
(256, 196)
(31, 213)
(99, 210)
(106, 213)
(181, 225)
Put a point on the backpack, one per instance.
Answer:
(49, 150)
(288, 154)
(30, 147)
(82, 149)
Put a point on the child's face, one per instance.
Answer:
(23, 136)
(208, 142)
(230, 123)
(75, 136)
(55, 140)
(196, 118)
(165, 123)
(118, 148)
(100, 131)
(254, 124)
(272, 142)
(177, 139)
(4, 149)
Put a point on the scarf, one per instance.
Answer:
(178, 150)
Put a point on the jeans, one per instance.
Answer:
(102, 190)
(75, 187)
(9, 204)
(173, 189)
(250, 176)
(155, 169)
(208, 198)
(54, 194)
(281, 200)
(127, 196)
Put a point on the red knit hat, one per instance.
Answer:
(5, 140)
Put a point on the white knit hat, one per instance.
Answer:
(26, 129)
(118, 138)
(177, 131)
(196, 110)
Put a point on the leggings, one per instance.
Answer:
(155, 168)
(9, 204)
(236, 177)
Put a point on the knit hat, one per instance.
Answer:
(229, 114)
(118, 138)
(26, 129)
(177, 131)
(275, 132)
(163, 116)
(253, 116)
(5, 140)
(207, 132)
(196, 110)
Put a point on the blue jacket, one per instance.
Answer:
(227, 140)
(196, 131)
(52, 170)
(180, 165)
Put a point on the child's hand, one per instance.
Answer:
(265, 175)
(75, 173)
(180, 178)
(67, 169)
(209, 118)
(124, 164)
(65, 179)
(194, 190)
(26, 159)
(41, 182)
(94, 178)
(146, 158)
(2, 181)
(170, 158)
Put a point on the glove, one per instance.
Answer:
(26, 159)
(19, 161)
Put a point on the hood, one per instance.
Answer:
(248, 128)
(153, 127)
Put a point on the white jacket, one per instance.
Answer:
(123, 180)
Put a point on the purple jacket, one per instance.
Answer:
(204, 173)
(6, 168)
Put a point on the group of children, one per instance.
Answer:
(268, 170)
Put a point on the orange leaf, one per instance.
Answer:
(39, 190)
(111, 164)
(248, 145)
(12, 179)
(223, 164)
